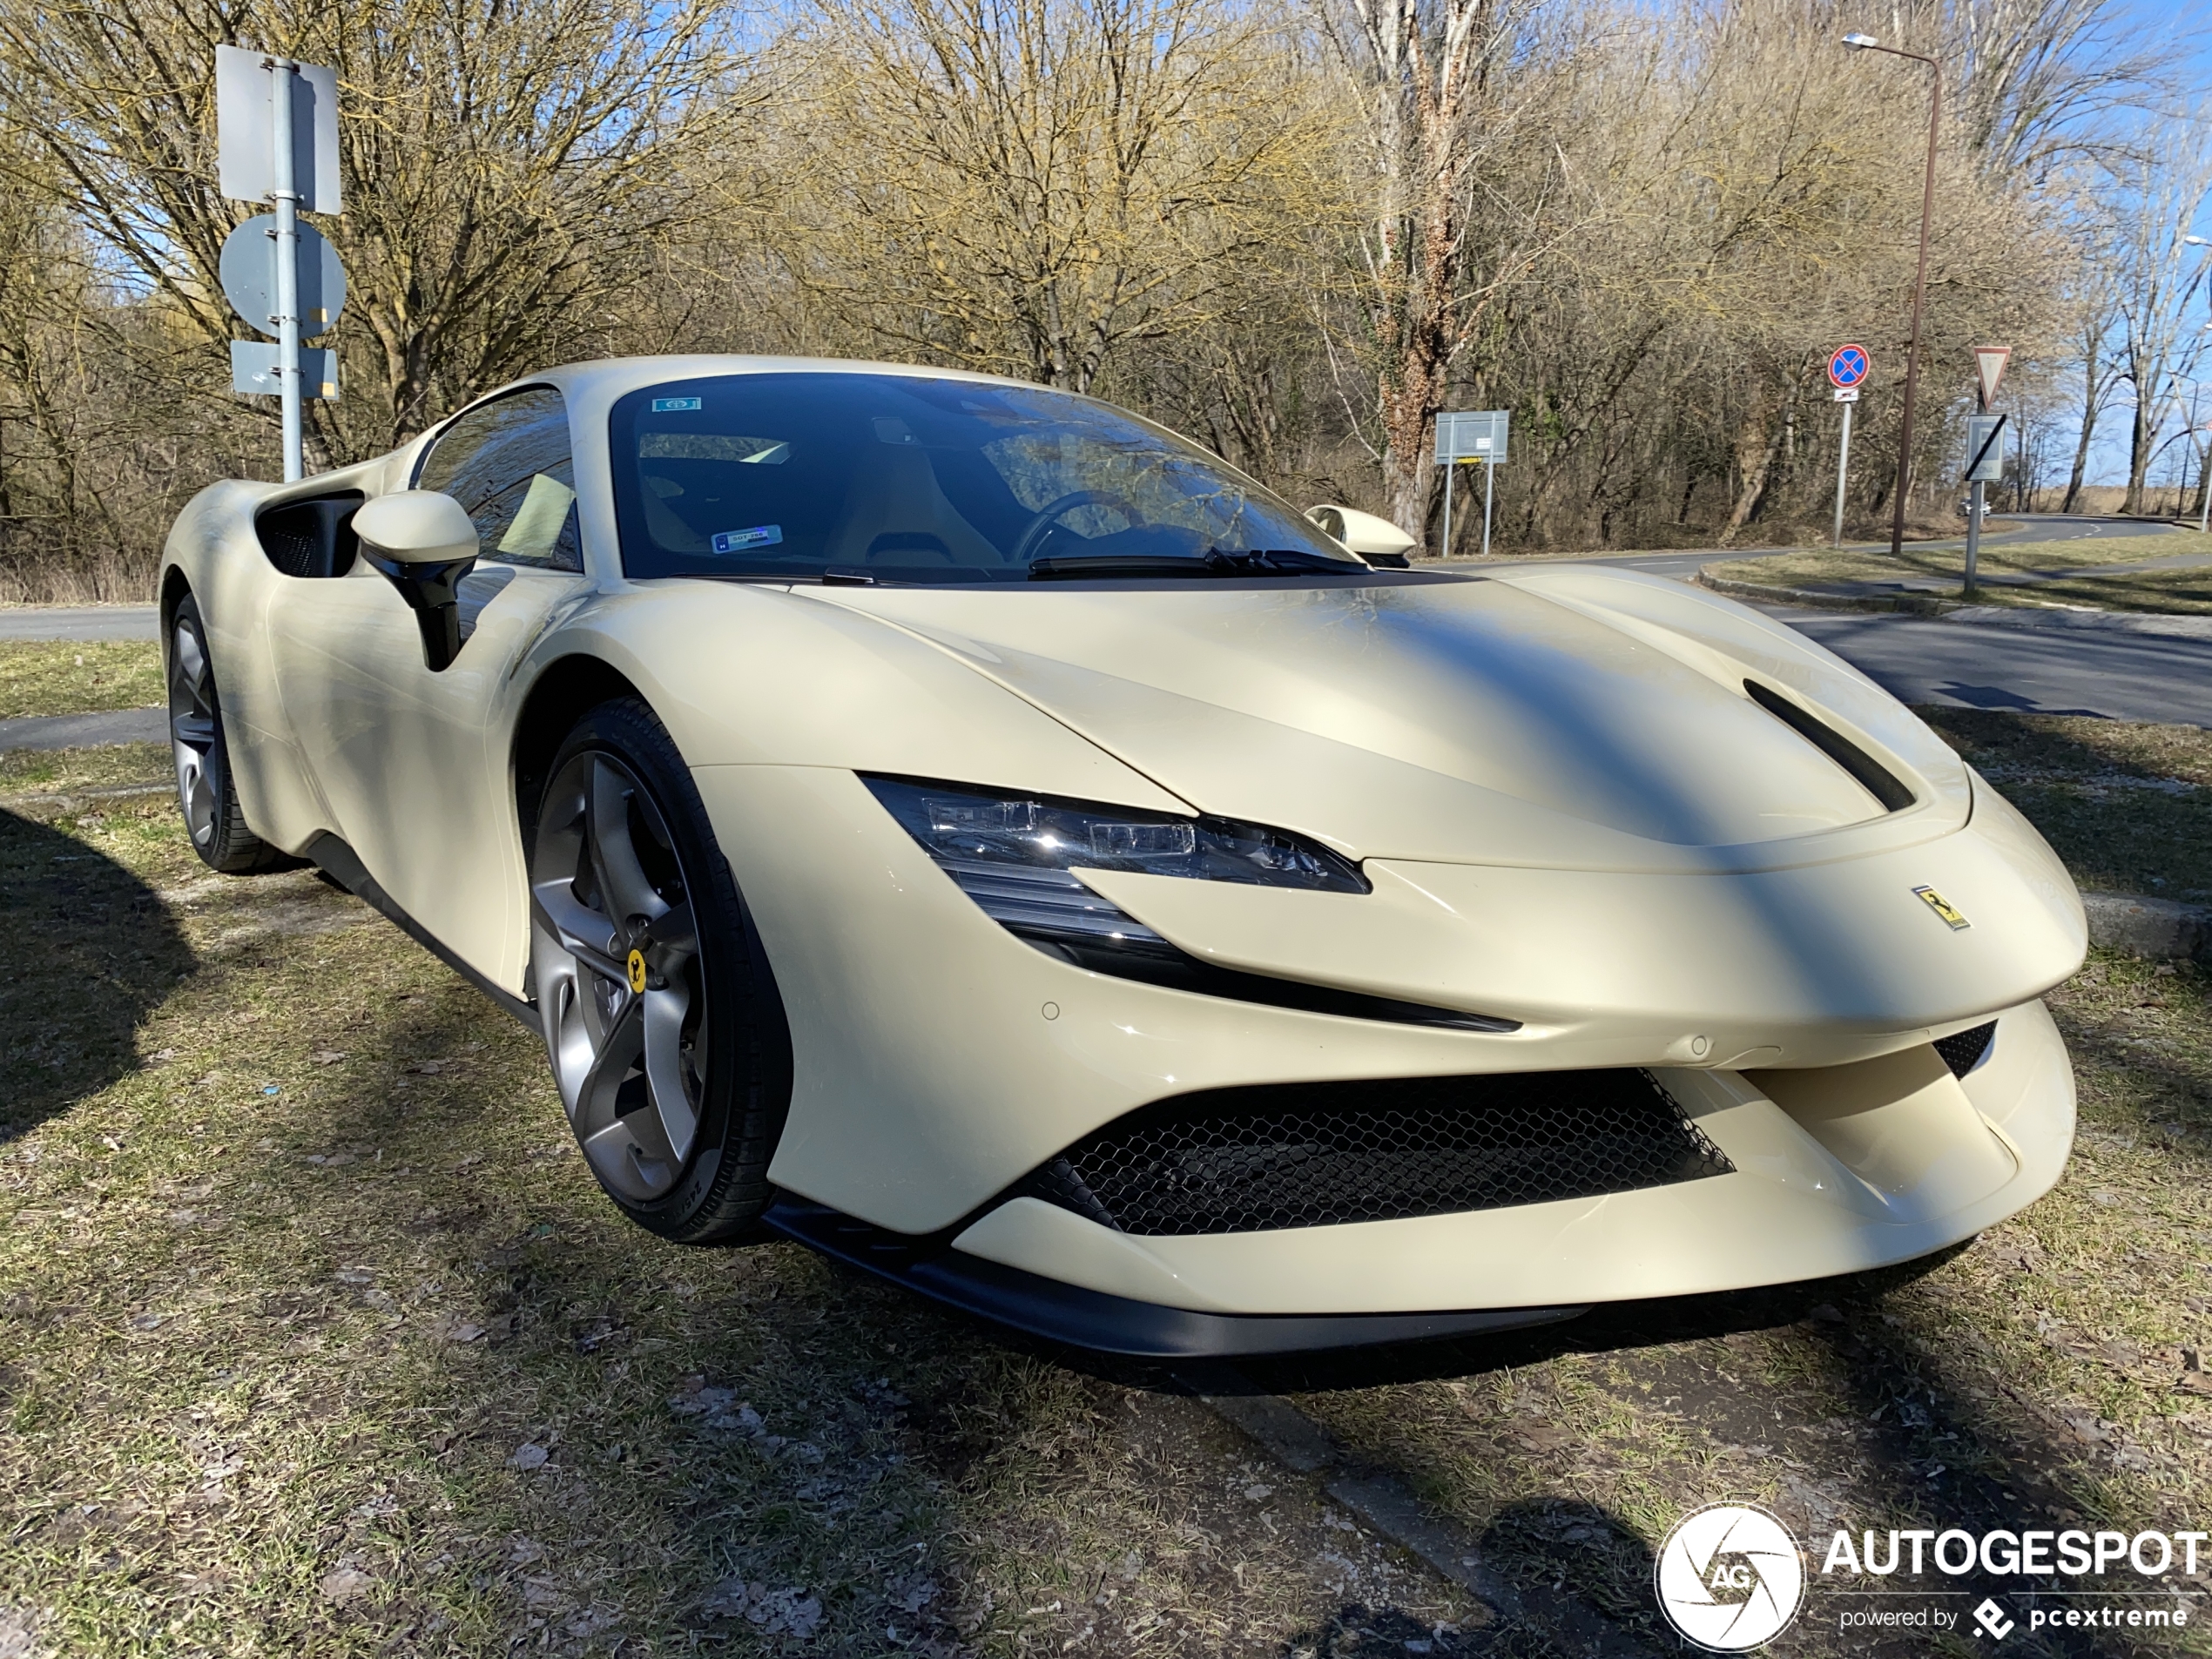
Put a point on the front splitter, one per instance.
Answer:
(1106, 1324)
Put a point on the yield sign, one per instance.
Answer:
(1989, 361)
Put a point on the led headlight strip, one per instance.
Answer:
(1016, 855)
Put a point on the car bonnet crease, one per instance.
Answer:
(1454, 721)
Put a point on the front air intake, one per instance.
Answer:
(1317, 1154)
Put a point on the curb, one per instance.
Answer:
(2150, 623)
(1386, 1503)
(1920, 604)
(2142, 925)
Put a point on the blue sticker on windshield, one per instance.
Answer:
(672, 404)
(737, 541)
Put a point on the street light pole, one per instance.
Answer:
(1867, 43)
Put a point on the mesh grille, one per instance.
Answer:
(1314, 1154)
(1962, 1050)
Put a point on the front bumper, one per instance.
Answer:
(939, 1060)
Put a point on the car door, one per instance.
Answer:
(412, 765)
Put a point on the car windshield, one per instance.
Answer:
(906, 478)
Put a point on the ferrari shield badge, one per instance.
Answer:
(637, 966)
(1943, 907)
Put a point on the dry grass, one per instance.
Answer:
(2128, 808)
(62, 677)
(323, 1340)
(2185, 589)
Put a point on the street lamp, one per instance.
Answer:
(1868, 43)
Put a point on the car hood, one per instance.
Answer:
(1570, 717)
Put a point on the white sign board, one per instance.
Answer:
(1985, 455)
(1470, 434)
(254, 370)
(245, 149)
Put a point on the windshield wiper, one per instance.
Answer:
(1258, 562)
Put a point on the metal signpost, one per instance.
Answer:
(1985, 455)
(1470, 434)
(276, 125)
(1847, 366)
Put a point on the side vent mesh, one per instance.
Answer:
(1878, 780)
(1962, 1050)
(1313, 1155)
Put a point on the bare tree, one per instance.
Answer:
(508, 168)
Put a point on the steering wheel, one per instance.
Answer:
(1034, 532)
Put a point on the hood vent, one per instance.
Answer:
(1878, 780)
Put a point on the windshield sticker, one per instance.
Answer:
(674, 405)
(737, 541)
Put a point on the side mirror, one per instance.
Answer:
(1376, 540)
(423, 542)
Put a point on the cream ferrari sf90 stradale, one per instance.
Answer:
(969, 829)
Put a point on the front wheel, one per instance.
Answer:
(207, 791)
(661, 1018)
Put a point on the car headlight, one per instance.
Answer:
(1016, 855)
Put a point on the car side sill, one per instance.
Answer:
(338, 861)
(1106, 1324)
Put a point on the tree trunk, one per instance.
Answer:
(1759, 443)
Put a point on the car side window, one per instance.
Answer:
(508, 464)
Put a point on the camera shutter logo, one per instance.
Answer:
(1729, 1577)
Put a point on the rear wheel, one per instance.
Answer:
(205, 789)
(661, 1017)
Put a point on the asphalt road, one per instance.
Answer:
(2121, 676)
(80, 622)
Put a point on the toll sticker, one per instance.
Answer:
(674, 405)
(737, 541)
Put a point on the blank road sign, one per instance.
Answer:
(1985, 455)
(248, 271)
(1471, 434)
(245, 130)
(254, 369)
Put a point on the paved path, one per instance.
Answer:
(81, 730)
(80, 622)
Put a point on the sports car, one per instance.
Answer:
(971, 830)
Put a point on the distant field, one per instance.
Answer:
(62, 677)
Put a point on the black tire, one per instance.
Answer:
(207, 792)
(660, 1014)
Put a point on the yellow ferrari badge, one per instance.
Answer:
(638, 957)
(1943, 907)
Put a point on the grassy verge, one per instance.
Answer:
(2188, 589)
(2128, 808)
(322, 1340)
(64, 676)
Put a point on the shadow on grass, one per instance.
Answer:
(87, 949)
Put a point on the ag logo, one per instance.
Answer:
(1729, 1577)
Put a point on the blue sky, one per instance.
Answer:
(2108, 456)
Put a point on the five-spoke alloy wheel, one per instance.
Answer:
(205, 791)
(665, 1036)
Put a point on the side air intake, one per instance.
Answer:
(1315, 1155)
